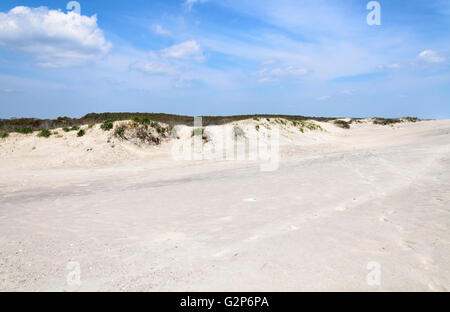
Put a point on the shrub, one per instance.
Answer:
(160, 129)
(257, 128)
(65, 129)
(120, 131)
(342, 124)
(107, 125)
(75, 128)
(44, 133)
(91, 125)
(81, 133)
(411, 119)
(4, 135)
(385, 122)
(25, 130)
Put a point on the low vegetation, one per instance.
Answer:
(45, 133)
(386, 122)
(4, 135)
(81, 133)
(142, 130)
(302, 125)
(25, 130)
(342, 124)
(107, 125)
(107, 121)
(411, 119)
(74, 128)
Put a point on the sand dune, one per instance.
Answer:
(361, 209)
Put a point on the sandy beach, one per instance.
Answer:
(363, 209)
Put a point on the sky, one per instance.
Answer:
(225, 57)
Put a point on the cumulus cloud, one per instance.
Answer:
(430, 56)
(52, 37)
(186, 50)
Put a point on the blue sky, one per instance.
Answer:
(222, 57)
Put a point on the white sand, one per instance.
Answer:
(134, 219)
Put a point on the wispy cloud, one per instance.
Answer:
(159, 30)
(323, 98)
(188, 50)
(430, 56)
(189, 4)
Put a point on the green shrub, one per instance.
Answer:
(411, 119)
(75, 128)
(81, 133)
(160, 129)
(120, 131)
(107, 125)
(44, 133)
(25, 130)
(342, 124)
(386, 122)
(65, 129)
(257, 128)
(4, 135)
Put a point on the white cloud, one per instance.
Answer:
(274, 74)
(158, 29)
(155, 67)
(186, 50)
(430, 56)
(188, 4)
(323, 98)
(172, 60)
(265, 80)
(54, 38)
